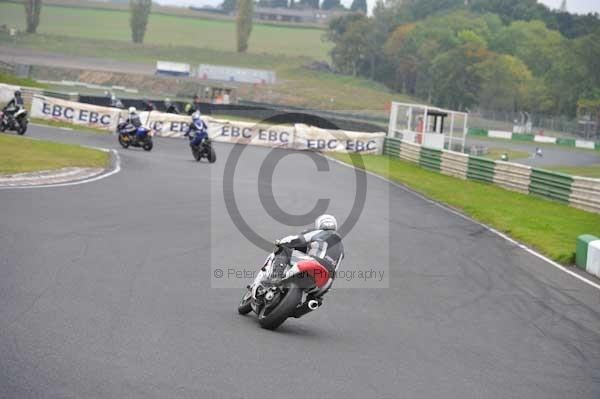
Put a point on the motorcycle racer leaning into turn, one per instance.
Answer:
(322, 243)
(14, 105)
(134, 125)
(198, 128)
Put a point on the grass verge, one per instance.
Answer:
(585, 171)
(549, 227)
(65, 125)
(170, 30)
(11, 79)
(496, 154)
(19, 154)
(295, 85)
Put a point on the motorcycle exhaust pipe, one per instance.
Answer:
(307, 307)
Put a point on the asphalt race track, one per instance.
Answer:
(107, 291)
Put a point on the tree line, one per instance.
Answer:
(356, 5)
(509, 55)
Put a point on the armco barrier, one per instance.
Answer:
(481, 169)
(512, 176)
(430, 159)
(585, 194)
(579, 192)
(551, 185)
(455, 164)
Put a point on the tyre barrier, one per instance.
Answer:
(552, 185)
(512, 176)
(578, 192)
(587, 254)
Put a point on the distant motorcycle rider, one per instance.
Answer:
(322, 243)
(170, 108)
(14, 105)
(198, 128)
(133, 125)
(115, 102)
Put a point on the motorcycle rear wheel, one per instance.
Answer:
(148, 145)
(245, 305)
(284, 309)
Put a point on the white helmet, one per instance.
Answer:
(132, 110)
(326, 222)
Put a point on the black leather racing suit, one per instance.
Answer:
(13, 106)
(325, 246)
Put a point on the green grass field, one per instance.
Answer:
(296, 85)
(14, 80)
(170, 30)
(19, 154)
(496, 154)
(585, 171)
(548, 226)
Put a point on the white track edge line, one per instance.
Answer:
(491, 229)
(101, 176)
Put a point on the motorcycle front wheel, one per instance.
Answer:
(245, 305)
(22, 129)
(197, 154)
(271, 318)
(212, 156)
(124, 144)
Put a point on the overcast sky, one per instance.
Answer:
(578, 6)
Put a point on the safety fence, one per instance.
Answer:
(523, 137)
(579, 192)
(278, 133)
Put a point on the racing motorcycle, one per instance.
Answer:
(282, 290)
(127, 139)
(17, 122)
(203, 149)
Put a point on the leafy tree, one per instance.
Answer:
(512, 10)
(532, 42)
(453, 73)
(355, 51)
(140, 12)
(330, 4)
(505, 83)
(359, 6)
(244, 24)
(589, 108)
(273, 3)
(229, 5)
(310, 3)
(33, 8)
(414, 10)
